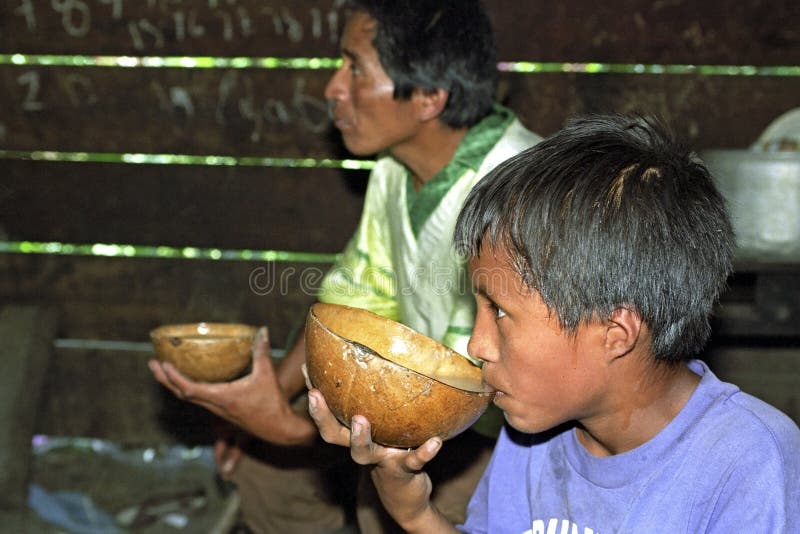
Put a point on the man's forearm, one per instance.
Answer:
(289, 370)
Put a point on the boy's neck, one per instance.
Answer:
(639, 407)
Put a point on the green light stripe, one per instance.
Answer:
(185, 159)
(139, 251)
(173, 62)
(641, 68)
(315, 63)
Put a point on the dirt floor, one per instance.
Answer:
(98, 487)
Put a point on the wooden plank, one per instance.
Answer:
(738, 322)
(678, 31)
(761, 304)
(760, 32)
(27, 334)
(310, 210)
(281, 114)
(118, 400)
(124, 298)
(173, 111)
(708, 111)
(770, 373)
(171, 27)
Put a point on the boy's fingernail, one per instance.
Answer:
(356, 428)
(312, 403)
(434, 446)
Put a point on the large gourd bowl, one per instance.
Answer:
(409, 386)
(207, 352)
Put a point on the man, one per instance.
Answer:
(416, 86)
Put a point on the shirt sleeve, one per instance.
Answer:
(462, 314)
(761, 493)
(363, 276)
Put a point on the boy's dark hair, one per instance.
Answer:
(610, 211)
(437, 44)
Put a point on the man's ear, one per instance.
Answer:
(430, 104)
(622, 331)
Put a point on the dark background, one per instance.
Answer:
(96, 388)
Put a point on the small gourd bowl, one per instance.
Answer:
(207, 352)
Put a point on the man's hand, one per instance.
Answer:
(403, 487)
(254, 402)
(228, 446)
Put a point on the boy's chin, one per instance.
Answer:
(527, 426)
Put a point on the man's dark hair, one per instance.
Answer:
(437, 44)
(610, 212)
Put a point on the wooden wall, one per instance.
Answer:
(279, 113)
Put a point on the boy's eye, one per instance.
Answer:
(497, 311)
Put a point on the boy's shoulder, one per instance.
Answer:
(763, 414)
(740, 421)
(762, 421)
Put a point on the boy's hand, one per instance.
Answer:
(403, 487)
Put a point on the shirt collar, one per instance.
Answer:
(471, 152)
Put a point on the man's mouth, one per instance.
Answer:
(338, 120)
(342, 123)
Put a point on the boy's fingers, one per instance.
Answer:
(304, 369)
(331, 430)
(362, 449)
(426, 452)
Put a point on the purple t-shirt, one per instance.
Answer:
(727, 463)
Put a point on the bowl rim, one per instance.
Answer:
(161, 331)
(377, 354)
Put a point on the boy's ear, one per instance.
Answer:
(622, 331)
(430, 104)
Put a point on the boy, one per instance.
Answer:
(596, 258)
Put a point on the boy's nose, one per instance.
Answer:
(479, 346)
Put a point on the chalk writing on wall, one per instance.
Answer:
(150, 24)
(31, 83)
(76, 89)
(237, 100)
(238, 93)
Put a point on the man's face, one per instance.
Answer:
(369, 119)
(543, 376)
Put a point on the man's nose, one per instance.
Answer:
(335, 88)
